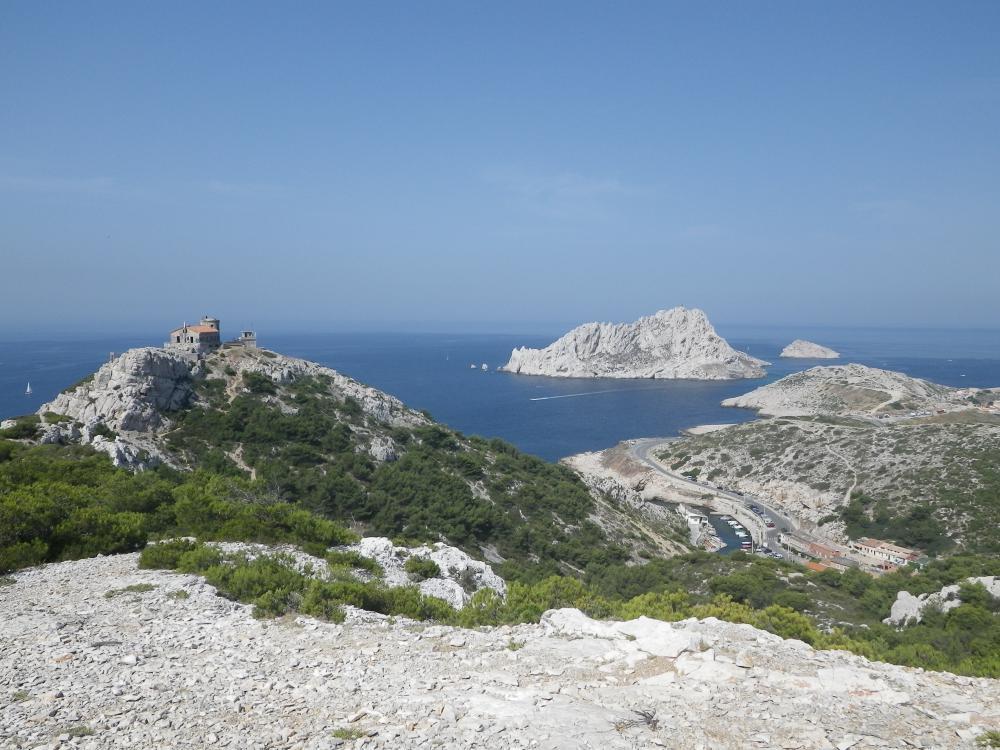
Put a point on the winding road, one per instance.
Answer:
(644, 450)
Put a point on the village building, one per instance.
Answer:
(198, 339)
(885, 552)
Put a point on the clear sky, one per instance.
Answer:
(508, 165)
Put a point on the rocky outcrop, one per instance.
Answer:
(285, 370)
(801, 349)
(459, 578)
(175, 665)
(128, 404)
(676, 343)
(132, 392)
(909, 609)
(846, 389)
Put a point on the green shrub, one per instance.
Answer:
(165, 555)
(421, 568)
(102, 429)
(353, 559)
(24, 428)
(256, 382)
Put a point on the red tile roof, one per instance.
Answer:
(196, 329)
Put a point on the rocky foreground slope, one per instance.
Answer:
(675, 343)
(88, 663)
(802, 349)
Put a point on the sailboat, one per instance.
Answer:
(27, 391)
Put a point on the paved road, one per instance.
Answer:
(642, 449)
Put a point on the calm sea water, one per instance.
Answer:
(549, 417)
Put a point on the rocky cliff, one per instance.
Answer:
(676, 343)
(99, 654)
(802, 349)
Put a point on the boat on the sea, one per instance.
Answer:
(472, 367)
(485, 367)
(28, 391)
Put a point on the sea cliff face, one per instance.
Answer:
(801, 349)
(676, 343)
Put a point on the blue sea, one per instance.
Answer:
(548, 417)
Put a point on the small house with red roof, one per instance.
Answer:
(198, 339)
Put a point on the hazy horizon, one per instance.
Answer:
(519, 168)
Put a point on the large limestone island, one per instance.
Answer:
(675, 343)
(802, 349)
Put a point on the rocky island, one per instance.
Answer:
(802, 349)
(675, 343)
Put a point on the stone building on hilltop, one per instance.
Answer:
(206, 337)
(198, 339)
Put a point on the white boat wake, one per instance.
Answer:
(574, 395)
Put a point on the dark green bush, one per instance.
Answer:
(256, 382)
(352, 559)
(24, 428)
(165, 555)
(421, 568)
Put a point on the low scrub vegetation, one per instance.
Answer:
(421, 568)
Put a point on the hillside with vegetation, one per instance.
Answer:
(859, 451)
(264, 450)
(261, 431)
(930, 485)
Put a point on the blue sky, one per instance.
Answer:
(454, 166)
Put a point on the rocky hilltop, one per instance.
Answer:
(847, 389)
(128, 406)
(100, 654)
(801, 349)
(675, 343)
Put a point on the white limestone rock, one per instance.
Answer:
(675, 343)
(152, 668)
(801, 349)
(383, 449)
(909, 609)
(460, 577)
(131, 392)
